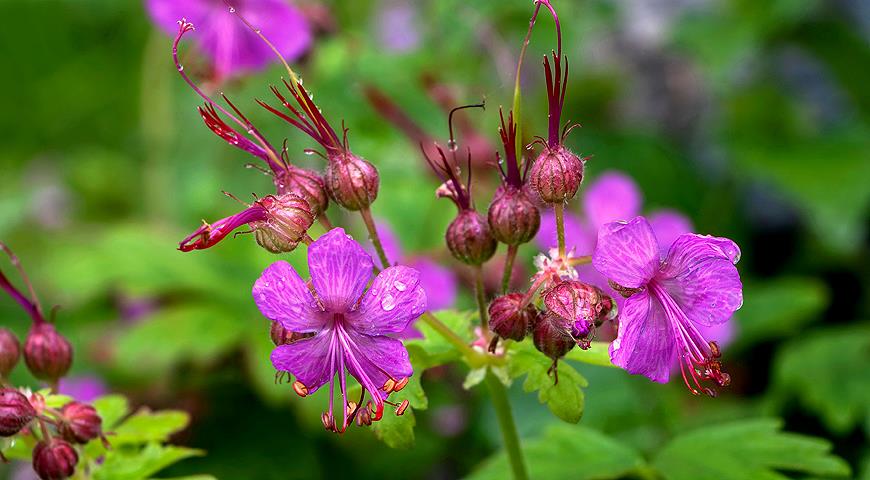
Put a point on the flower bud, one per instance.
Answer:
(469, 239)
(282, 336)
(15, 412)
(552, 336)
(10, 351)
(556, 174)
(573, 301)
(287, 220)
(47, 354)
(351, 181)
(513, 218)
(80, 423)
(55, 459)
(306, 184)
(508, 319)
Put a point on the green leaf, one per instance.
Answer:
(779, 308)
(124, 464)
(395, 431)
(433, 349)
(754, 449)
(597, 354)
(145, 426)
(564, 399)
(570, 452)
(111, 408)
(55, 401)
(827, 371)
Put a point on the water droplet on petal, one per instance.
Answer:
(388, 302)
(232, 10)
(400, 286)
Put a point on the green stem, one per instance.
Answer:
(480, 294)
(559, 209)
(508, 427)
(508, 268)
(373, 234)
(517, 104)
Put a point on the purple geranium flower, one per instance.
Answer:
(349, 327)
(227, 41)
(695, 285)
(84, 389)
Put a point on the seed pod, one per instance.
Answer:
(10, 351)
(513, 218)
(15, 412)
(508, 319)
(306, 184)
(552, 336)
(287, 220)
(556, 174)
(55, 459)
(469, 238)
(351, 181)
(47, 354)
(80, 423)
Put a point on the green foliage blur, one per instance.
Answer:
(751, 117)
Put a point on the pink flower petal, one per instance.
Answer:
(612, 197)
(646, 344)
(282, 296)
(376, 357)
(668, 225)
(394, 300)
(312, 360)
(627, 252)
(438, 281)
(340, 270)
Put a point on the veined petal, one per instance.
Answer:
(373, 360)
(627, 252)
(668, 225)
(340, 270)
(700, 275)
(394, 300)
(282, 296)
(312, 361)
(646, 344)
(577, 235)
(611, 197)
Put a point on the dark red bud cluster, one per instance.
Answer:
(556, 174)
(287, 220)
(15, 412)
(10, 352)
(552, 336)
(469, 238)
(351, 181)
(509, 318)
(582, 306)
(306, 184)
(513, 217)
(80, 423)
(54, 459)
(47, 353)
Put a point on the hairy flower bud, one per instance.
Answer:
(556, 174)
(80, 423)
(15, 412)
(47, 354)
(10, 351)
(513, 218)
(469, 239)
(552, 336)
(306, 184)
(509, 319)
(351, 181)
(287, 220)
(54, 459)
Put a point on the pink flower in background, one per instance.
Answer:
(398, 26)
(227, 41)
(350, 325)
(668, 298)
(86, 388)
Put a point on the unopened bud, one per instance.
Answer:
(80, 423)
(47, 354)
(351, 181)
(556, 174)
(15, 412)
(508, 318)
(469, 238)
(10, 351)
(54, 459)
(513, 217)
(306, 184)
(552, 336)
(288, 218)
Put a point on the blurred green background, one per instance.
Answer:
(751, 117)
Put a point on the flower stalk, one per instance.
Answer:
(366, 215)
(508, 427)
(559, 210)
(508, 267)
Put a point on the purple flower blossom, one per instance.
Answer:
(84, 388)
(668, 299)
(349, 327)
(230, 45)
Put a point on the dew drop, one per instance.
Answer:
(400, 286)
(388, 302)
(232, 10)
